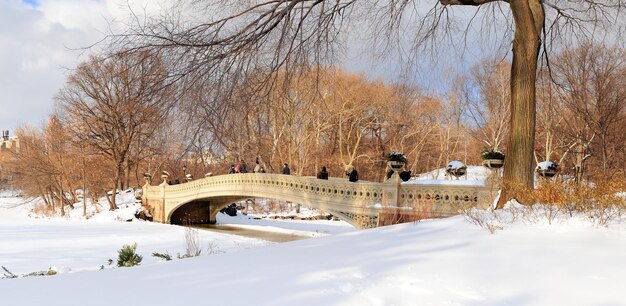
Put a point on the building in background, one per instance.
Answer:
(8, 146)
(9, 143)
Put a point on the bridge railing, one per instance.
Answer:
(362, 191)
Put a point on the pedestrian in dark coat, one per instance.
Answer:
(232, 169)
(242, 167)
(352, 174)
(405, 175)
(286, 169)
(323, 175)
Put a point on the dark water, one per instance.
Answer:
(233, 230)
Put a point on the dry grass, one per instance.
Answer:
(601, 201)
(479, 219)
(44, 210)
(396, 215)
(193, 247)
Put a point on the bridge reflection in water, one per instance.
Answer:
(362, 204)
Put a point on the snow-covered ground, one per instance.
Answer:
(528, 261)
(31, 243)
(476, 176)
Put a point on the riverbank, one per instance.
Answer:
(32, 243)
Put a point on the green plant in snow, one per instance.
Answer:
(51, 272)
(165, 256)
(127, 257)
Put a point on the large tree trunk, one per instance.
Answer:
(518, 171)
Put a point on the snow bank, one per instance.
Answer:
(476, 176)
(436, 262)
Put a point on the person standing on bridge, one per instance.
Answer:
(232, 170)
(352, 174)
(323, 175)
(242, 167)
(257, 168)
(286, 169)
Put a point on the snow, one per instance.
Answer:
(546, 165)
(527, 261)
(476, 176)
(455, 164)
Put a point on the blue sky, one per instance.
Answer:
(31, 2)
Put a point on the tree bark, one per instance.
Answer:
(518, 171)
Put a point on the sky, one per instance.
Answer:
(41, 41)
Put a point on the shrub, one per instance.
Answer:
(51, 272)
(601, 202)
(165, 256)
(126, 257)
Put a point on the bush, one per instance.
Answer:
(601, 202)
(165, 256)
(51, 271)
(126, 257)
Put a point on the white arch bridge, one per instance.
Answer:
(363, 204)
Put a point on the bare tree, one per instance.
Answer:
(46, 165)
(590, 82)
(488, 110)
(113, 103)
(274, 34)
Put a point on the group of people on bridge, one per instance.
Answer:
(242, 167)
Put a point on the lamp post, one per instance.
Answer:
(148, 177)
(164, 176)
(187, 176)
